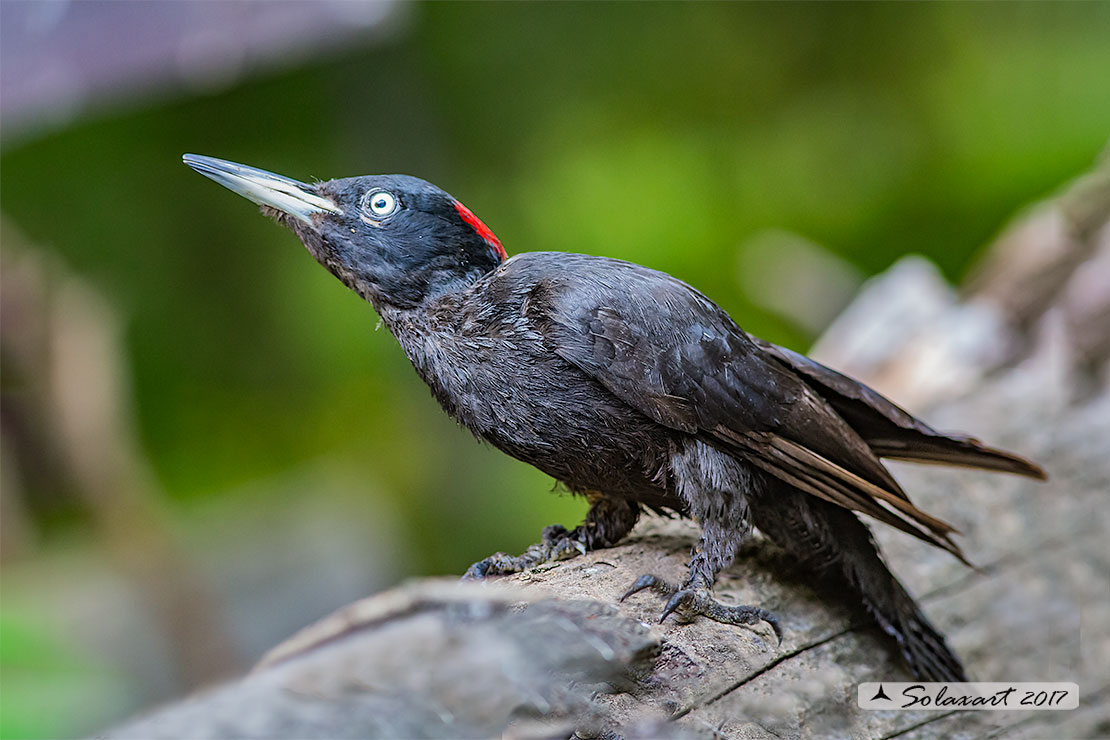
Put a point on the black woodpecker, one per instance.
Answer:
(635, 390)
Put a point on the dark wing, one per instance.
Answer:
(889, 430)
(669, 352)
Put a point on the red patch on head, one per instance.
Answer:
(482, 230)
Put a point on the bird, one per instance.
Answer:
(636, 391)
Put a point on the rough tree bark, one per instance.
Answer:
(1021, 360)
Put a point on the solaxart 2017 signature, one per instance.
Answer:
(970, 695)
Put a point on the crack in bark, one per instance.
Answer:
(760, 671)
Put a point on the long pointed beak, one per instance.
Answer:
(264, 188)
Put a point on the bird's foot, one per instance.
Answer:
(556, 544)
(689, 603)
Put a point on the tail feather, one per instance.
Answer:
(954, 450)
(922, 645)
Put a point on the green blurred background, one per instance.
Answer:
(289, 460)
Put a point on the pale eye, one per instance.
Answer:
(380, 203)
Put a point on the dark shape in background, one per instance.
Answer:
(757, 151)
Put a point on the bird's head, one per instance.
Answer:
(393, 239)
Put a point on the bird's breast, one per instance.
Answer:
(507, 386)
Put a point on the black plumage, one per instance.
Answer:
(634, 389)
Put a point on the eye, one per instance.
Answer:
(379, 204)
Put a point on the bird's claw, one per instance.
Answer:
(689, 603)
(497, 564)
(653, 582)
(556, 544)
(686, 603)
(702, 603)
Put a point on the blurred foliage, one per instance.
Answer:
(667, 134)
(48, 681)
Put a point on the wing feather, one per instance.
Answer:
(888, 429)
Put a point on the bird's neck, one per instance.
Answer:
(414, 325)
(407, 298)
(433, 338)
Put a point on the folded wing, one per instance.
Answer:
(669, 352)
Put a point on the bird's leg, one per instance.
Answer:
(715, 550)
(607, 521)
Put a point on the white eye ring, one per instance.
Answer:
(379, 204)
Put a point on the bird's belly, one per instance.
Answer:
(548, 414)
(586, 453)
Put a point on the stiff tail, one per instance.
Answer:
(922, 645)
(924, 648)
